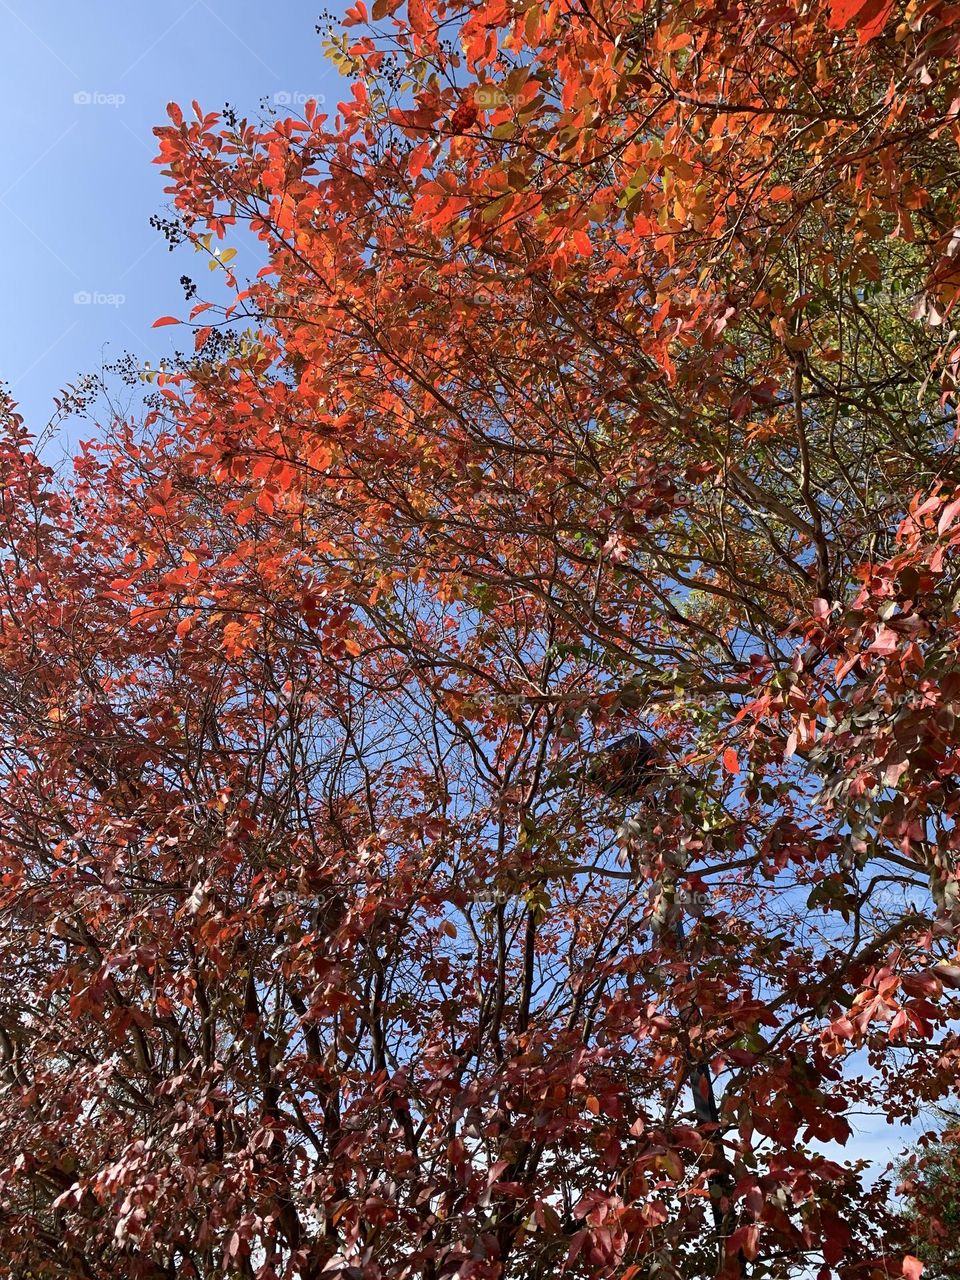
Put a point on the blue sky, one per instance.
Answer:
(84, 273)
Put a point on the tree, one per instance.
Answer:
(930, 1183)
(599, 388)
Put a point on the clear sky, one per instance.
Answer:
(85, 82)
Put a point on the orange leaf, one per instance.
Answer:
(418, 17)
(582, 243)
(912, 1267)
(730, 761)
(165, 320)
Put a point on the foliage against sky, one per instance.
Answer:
(601, 380)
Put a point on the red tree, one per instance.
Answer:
(596, 365)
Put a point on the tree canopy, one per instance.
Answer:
(598, 387)
(930, 1186)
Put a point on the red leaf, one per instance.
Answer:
(730, 761)
(165, 320)
(949, 974)
(870, 16)
(357, 13)
(912, 1267)
(948, 515)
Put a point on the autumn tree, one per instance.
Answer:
(930, 1187)
(598, 387)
